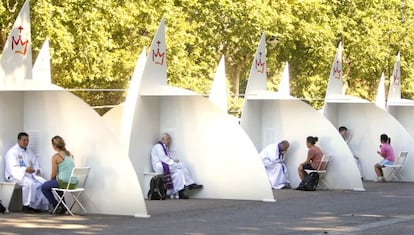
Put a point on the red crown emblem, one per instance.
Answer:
(158, 57)
(18, 46)
(337, 70)
(259, 65)
(396, 77)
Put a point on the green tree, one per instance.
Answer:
(8, 12)
(95, 43)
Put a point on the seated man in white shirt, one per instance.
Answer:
(273, 157)
(22, 167)
(163, 162)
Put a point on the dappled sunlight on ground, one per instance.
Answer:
(249, 228)
(75, 224)
(384, 208)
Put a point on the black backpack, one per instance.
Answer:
(158, 189)
(2, 208)
(310, 182)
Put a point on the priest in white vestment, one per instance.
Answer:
(22, 168)
(164, 162)
(273, 157)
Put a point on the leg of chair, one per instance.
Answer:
(322, 185)
(397, 174)
(67, 208)
(390, 175)
(76, 200)
(60, 199)
(394, 174)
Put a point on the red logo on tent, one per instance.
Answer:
(157, 56)
(259, 65)
(396, 77)
(337, 70)
(18, 46)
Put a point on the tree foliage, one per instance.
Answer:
(95, 43)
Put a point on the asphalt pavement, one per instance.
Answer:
(384, 208)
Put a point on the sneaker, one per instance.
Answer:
(379, 179)
(195, 186)
(59, 211)
(28, 210)
(287, 186)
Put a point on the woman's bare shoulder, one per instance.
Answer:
(57, 158)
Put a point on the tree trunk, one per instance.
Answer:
(3, 39)
(235, 78)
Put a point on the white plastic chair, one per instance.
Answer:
(321, 170)
(395, 173)
(81, 174)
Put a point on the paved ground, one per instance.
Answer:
(385, 208)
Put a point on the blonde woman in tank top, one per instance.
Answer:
(62, 165)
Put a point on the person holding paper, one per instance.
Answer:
(175, 172)
(273, 158)
(22, 167)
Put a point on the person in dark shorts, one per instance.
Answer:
(313, 158)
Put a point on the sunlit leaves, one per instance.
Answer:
(95, 43)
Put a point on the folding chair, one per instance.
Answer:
(81, 174)
(321, 170)
(395, 173)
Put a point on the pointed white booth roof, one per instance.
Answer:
(214, 148)
(270, 117)
(394, 91)
(45, 110)
(41, 68)
(120, 119)
(218, 93)
(366, 122)
(18, 48)
(401, 109)
(380, 97)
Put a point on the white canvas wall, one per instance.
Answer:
(11, 123)
(251, 122)
(113, 118)
(367, 122)
(270, 121)
(217, 152)
(52, 113)
(145, 132)
(404, 115)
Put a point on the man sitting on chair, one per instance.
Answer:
(273, 157)
(22, 168)
(163, 162)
